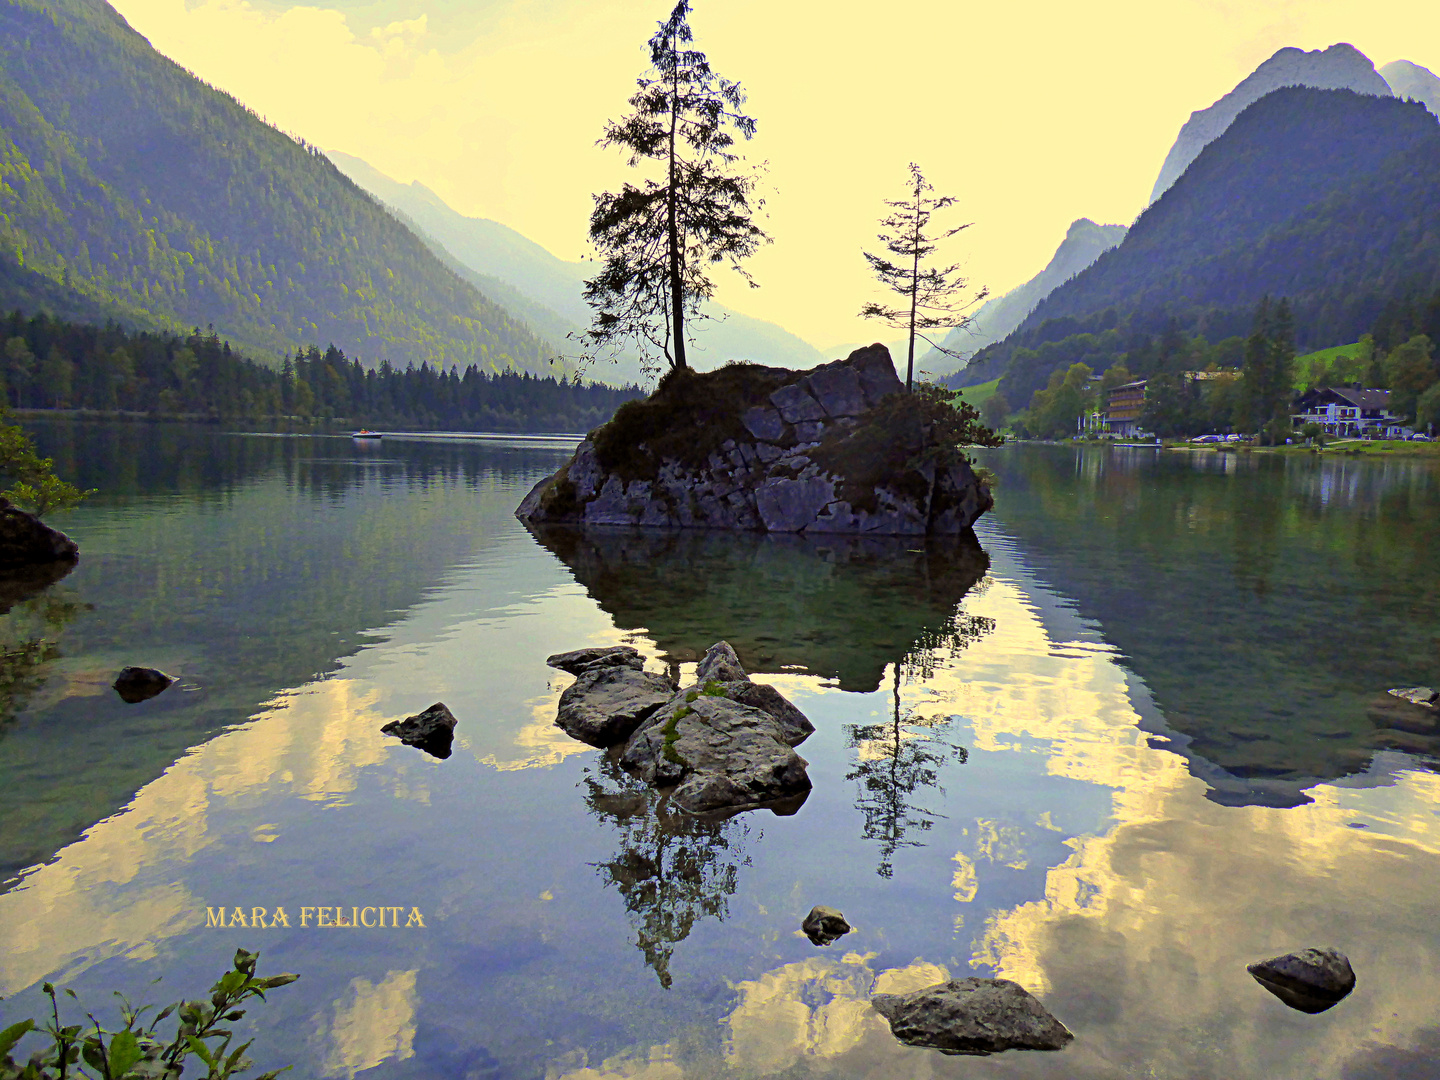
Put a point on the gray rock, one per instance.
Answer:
(972, 1016)
(432, 730)
(795, 726)
(790, 505)
(1418, 695)
(137, 684)
(25, 540)
(607, 703)
(767, 453)
(796, 404)
(577, 660)
(824, 925)
(720, 664)
(809, 431)
(877, 373)
(837, 387)
(1311, 980)
(763, 423)
(719, 754)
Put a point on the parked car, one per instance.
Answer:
(1208, 438)
(1419, 437)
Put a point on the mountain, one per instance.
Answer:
(1326, 197)
(1413, 81)
(546, 290)
(1084, 242)
(1340, 67)
(128, 187)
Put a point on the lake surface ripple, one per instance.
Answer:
(1129, 740)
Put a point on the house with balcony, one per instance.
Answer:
(1348, 412)
(1122, 409)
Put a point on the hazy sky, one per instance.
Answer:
(1032, 113)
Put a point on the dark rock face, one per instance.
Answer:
(824, 925)
(763, 479)
(972, 1016)
(26, 540)
(724, 744)
(432, 730)
(1311, 980)
(607, 702)
(136, 684)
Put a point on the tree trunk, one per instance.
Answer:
(914, 295)
(677, 291)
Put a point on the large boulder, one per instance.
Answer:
(972, 1016)
(607, 702)
(26, 540)
(837, 449)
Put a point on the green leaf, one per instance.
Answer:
(124, 1052)
(12, 1034)
(278, 980)
(94, 1053)
(201, 1050)
(234, 1059)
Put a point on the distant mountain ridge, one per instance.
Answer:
(546, 290)
(1409, 80)
(129, 187)
(1340, 67)
(1084, 242)
(1245, 220)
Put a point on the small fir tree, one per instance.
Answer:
(932, 293)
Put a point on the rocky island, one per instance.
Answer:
(841, 448)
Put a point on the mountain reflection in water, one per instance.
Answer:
(841, 607)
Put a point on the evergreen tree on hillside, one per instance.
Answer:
(931, 294)
(658, 240)
(1269, 371)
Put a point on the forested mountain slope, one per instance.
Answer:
(1084, 242)
(136, 189)
(546, 290)
(1327, 197)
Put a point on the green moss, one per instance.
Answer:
(712, 688)
(692, 695)
(688, 417)
(671, 732)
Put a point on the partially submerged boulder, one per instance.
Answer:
(824, 925)
(137, 684)
(577, 660)
(837, 449)
(432, 731)
(972, 1016)
(723, 744)
(1311, 980)
(25, 540)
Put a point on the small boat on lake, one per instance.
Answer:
(366, 435)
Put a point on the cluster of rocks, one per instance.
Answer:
(1407, 719)
(766, 478)
(722, 744)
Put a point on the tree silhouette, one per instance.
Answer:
(933, 293)
(658, 240)
(672, 869)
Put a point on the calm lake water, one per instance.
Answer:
(1124, 746)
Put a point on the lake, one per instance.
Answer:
(1133, 739)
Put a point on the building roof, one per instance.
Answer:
(1346, 395)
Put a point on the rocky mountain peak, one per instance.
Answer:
(1413, 81)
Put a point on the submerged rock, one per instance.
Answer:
(1418, 695)
(137, 684)
(608, 701)
(432, 730)
(26, 540)
(837, 449)
(825, 925)
(972, 1016)
(1311, 980)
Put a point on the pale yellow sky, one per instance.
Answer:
(1031, 113)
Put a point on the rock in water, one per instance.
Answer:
(432, 730)
(838, 449)
(136, 684)
(972, 1016)
(26, 540)
(1311, 980)
(577, 660)
(607, 702)
(1418, 695)
(824, 925)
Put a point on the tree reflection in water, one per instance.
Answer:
(672, 869)
(32, 615)
(898, 761)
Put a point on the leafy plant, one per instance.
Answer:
(36, 488)
(135, 1052)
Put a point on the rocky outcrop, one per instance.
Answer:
(768, 450)
(137, 684)
(972, 1016)
(1340, 67)
(824, 925)
(722, 744)
(25, 540)
(1311, 980)
(432, 730)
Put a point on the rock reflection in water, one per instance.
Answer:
(672, 869)
(842, 607)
